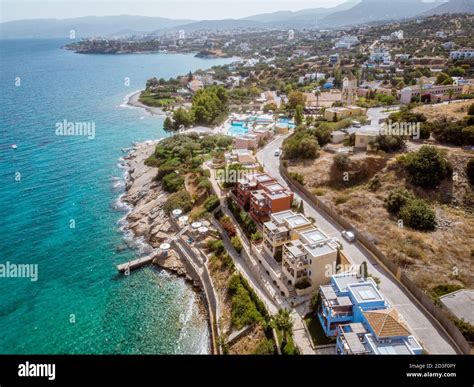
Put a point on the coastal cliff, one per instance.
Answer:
(147, 219)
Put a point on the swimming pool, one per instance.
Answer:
(239, 127)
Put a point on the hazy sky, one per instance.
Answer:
(175, 9)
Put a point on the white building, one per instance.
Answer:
(311, 77)
(441, 34)
(397, 35)
(334, 58)
(378, 54)
(347, 41)
(464, 53)
(448, 45)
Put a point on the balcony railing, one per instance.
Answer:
(340, 314)
(296, 260)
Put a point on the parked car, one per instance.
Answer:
(277, 153)
(348, 236)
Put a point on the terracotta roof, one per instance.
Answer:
(386, 323)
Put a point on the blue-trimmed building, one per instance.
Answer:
(353, 310)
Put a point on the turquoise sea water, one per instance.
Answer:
(79, 304)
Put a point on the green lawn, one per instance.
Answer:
(316, 331)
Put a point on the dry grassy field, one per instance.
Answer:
(453, 111)
(444, 256)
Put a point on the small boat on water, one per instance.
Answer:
(14, 146)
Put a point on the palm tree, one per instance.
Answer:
(450, 94)
(421, 83)
(317, 93)
(283, 322)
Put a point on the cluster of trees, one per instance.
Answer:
(175, 157)
(154, 83)
(383, 99)
(389, 143)
(427, 167)
(209, 107)
(415, 213)
(247, 308)
(181, 199)
(210, 104)
(245, 221)
(443, 130)
(211, 203)
(305, 142)
(454, 132)
(301, 144)
(444, 79)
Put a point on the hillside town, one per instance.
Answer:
(322, 176)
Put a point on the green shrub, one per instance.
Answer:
(298, 177)
(441, 290)
(245, 221)
(427, 167)
(173, 182)
(204, 183)
(198, 213)
(470, 111)
(418, 215)
(163, 171)
(374, 183)
(341, 199)
(300, 145)
(396, 199)
(289, 348)
(265, 347)
(389, 143)
(319, 192)
(181, 200)
(256, 236)
(237, 244)
(216, 246)
(453, 132)
(244, 309)
(211, 203)
(466, 328)
(341, 161)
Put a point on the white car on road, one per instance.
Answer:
(348, 236)
(277, 153)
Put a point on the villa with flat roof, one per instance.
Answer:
(303, 250)
(249, 183)
(262, 196)
(271, 198)
(352, 309)
(281, 229)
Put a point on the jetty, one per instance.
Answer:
(137, 263)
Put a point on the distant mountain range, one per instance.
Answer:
(351, 12)
(368, 11)
(454, 6)
(89, 26)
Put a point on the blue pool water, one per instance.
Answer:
(241, 127)
(79, 304)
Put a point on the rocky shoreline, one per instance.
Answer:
(147, 219)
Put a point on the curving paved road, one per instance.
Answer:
(427, 330)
